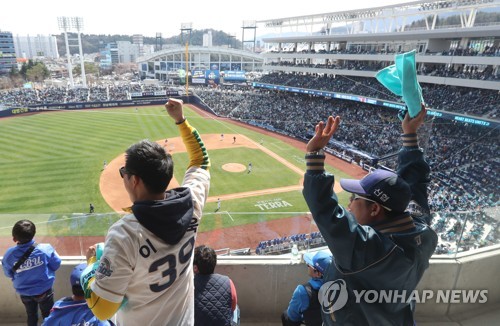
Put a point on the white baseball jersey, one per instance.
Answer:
(155, 278)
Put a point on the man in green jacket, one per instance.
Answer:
(376, 243)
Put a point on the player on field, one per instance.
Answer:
(145, 274)
(218, 204)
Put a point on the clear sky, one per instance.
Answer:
(32, 17)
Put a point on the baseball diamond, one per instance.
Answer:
(264, 204)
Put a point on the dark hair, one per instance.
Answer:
(206, 259)
(24, 231)
(149, 161)
(77, 290)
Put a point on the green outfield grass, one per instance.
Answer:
(267, 172)
(252, 210)
(51, 165)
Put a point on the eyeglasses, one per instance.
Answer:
(356, 196)
(123, 171)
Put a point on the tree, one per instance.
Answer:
(25, 67)
(90, 68)
(92, 43)
(14, 72)
(37, 73)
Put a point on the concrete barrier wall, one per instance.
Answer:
(265, 285)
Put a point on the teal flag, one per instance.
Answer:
(401, 79)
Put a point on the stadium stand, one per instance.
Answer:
(463, 156)
(283, 245)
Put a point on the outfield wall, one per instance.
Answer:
(99, 105)
(265, 285)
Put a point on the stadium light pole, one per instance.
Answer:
(248, 24)
(187, 68)
(77, 23)
(64, 25)
(187, 27)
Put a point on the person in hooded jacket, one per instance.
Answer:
(145, 273)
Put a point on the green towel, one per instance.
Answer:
(401, 79)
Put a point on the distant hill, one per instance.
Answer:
(92, 43)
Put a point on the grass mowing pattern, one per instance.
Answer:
(267, 172)
(51, 163)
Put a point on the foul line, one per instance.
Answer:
(229, 215)
(254, 193)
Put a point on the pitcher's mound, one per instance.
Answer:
(234, 167)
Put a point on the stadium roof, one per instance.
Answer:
(385, 18)
(450, 33)
(201, 49)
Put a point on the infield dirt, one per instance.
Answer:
(236, 237)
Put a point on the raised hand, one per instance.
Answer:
(323, 134)
(411, 125)
(174, 109)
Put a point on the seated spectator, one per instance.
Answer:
(215, 299)
(304, 306)
(73, 310)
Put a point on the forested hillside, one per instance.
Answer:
(92, 43)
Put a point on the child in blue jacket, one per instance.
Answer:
(31, 267)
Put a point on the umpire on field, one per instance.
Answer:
(145, 272)
(377, 245)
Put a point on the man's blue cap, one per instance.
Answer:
(385, 187)
(75, 274)
(318, 260)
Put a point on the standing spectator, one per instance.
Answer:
(31, 267)
(375, 242)
(91, 208)
(145, 273)
(215, 296)
(249, 167)
(73, 310)
(304, 306)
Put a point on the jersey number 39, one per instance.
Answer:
(168, 266)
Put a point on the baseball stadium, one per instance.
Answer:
(61, 159)
(254, 203)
